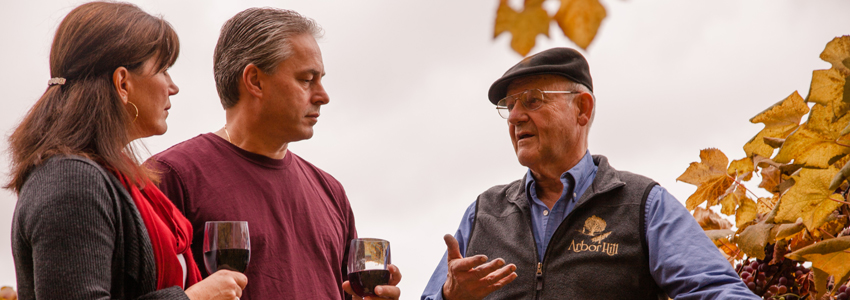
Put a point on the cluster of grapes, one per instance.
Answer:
(842, 293)
(777, 281)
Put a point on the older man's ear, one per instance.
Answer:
(585, 105)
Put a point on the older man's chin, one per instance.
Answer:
(525, 158)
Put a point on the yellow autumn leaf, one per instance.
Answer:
(753, 239)
(729, 250)
(828, 120)
(524, 26)
(788, 230)
(709, 175)
(837, 53)
(800, 240)
(8, 293)
(710, 220)
(741, 168)
(770, 178)
(813, 144)
(716, 235)
(779, 121)
(827, 87)
(831, 228)
(808, 198)
(580, 20)
(810, 148)
(765, 205)
(747, 211)
(729, 202)
(828, 256)
(840, 177)
(820, 281)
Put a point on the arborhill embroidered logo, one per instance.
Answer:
(594, 227)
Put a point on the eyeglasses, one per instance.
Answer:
(531, 99)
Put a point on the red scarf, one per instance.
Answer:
(170, 233)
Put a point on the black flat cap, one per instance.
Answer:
(558, 61)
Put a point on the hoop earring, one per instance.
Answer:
(137, 111)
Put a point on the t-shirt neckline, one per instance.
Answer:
(255, 158)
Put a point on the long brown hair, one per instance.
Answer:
(86, 116)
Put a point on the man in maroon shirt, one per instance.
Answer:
(268, 72)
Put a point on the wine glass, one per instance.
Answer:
(367, 265)
(226, 246)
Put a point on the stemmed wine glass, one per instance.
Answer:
(367, 265)
(226, 246)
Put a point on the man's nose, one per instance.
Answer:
(321, 96)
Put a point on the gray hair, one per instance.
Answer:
(258, 36)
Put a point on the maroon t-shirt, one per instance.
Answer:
(299, 219)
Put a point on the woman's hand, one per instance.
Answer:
(221, 285)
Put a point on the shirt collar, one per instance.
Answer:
(580, 173)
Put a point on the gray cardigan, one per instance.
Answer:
(76, 234)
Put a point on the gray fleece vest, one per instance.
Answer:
(598, 252)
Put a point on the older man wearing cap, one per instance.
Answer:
(573, 227)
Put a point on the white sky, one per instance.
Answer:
(409, 130)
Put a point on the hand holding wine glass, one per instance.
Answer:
(370, 273)
(221, 285)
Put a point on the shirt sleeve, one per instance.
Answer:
(682, 259)
(169, 183)
(68, 221)
(352, 234)
(434, 289)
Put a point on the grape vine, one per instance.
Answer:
(794, 244)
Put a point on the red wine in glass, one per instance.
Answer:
(364, 282)
(227, 245)
(229, 259)
(367, 265)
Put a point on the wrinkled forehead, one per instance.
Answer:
(544, 82)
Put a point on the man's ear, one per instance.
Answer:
(251, 80)
(121, 81)
(585, 105)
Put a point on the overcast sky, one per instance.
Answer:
(409, 130)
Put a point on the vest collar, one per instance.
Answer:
(606, 180)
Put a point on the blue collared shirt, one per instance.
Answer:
(544, 220)
(682, 259)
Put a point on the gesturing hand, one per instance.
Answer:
(389, 291)
(473, 277)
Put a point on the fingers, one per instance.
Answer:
(456, 261)
(452, 247)
(388, 292)
(490, 267)
(395, 275)
(502, 276)
(346, 286)
(240, 279)
(466, 264)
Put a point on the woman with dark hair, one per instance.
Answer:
(89, 223)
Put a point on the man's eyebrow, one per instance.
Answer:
(315, 72)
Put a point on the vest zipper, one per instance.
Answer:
(558, 230)
(539, 278)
